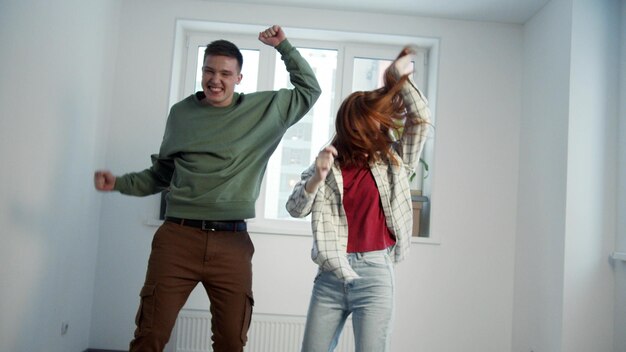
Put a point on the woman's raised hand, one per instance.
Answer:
(402, 63)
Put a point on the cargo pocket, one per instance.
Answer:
(247, 319)
(145, 313)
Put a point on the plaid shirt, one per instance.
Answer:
(329, 222)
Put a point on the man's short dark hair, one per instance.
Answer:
(224, 48)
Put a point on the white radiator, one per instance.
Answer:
(268, 333)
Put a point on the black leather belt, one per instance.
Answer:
(208, 225)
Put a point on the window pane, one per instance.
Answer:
(302, 141)
(249, 70)
(368, 73)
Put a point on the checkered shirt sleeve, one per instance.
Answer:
(395, 192)
(416, 125)
(328, 221)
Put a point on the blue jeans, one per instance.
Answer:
(369, 299)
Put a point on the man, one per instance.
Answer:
(212, 159)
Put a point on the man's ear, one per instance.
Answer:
(239, 78)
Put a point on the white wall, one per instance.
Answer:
(451, 297)
(591, 202)
(620, 242)
(564, 283)
(539, 244)
(55, 65)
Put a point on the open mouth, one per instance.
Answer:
(215, 90)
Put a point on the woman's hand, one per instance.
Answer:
(403, 63)
(323, 164)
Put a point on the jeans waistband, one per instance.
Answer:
(210, 225)
(359, 255)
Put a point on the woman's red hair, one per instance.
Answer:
(366, 122)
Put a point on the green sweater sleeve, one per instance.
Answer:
(306, 88)
(149, 181)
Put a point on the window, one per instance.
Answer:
(341, 67)
(302, 141)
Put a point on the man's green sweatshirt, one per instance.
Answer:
(213, 159)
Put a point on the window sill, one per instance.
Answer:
(295, 231)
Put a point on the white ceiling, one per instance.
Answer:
(506, 11)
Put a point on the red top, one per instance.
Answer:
(367, 229)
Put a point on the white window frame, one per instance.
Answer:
(192, 33)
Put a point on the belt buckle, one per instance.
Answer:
(206, 226)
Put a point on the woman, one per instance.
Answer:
(358, 194)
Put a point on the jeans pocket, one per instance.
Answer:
(377, 260)
(145, 313)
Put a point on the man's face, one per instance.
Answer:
(220, 74)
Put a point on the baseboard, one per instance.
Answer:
(97, 350)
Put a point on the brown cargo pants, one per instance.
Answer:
(182, 257)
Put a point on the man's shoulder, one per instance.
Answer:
(190, 100)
